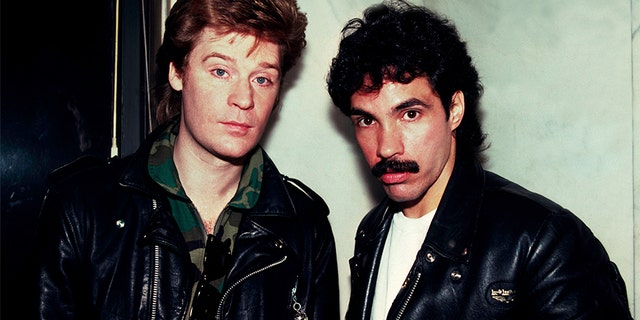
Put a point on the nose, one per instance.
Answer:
(241, 95)
(389, 143)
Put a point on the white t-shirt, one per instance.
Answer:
(405, 238)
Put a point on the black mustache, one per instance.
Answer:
(394, 166)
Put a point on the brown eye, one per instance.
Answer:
(362, 121)
(411, 114)
(366, 122)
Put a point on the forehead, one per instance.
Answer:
(236, 45)
(392, 93)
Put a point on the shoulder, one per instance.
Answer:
(301, 196)
(305, 198)
(511, 213)
(77, 190)
(507, 195)
(77, 166)
(509, 204)
(86, 173)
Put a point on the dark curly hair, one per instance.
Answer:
(278, 21)
(400, 41)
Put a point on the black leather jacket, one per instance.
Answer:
(109, 248)
(494, 251)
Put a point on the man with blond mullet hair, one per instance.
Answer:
(198, 223)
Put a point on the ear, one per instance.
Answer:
(456, 110)
(175, 78)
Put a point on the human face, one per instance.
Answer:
(229, 89)
(407, 123)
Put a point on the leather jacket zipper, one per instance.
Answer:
(154, 282)
(155, 274)
(406, 301)
(235, 284)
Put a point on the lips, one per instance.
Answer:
(388, 166)
(237, 127)
(394, 177)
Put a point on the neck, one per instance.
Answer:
(209, 182)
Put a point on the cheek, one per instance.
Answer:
(265, 102)
(200, 97)
(368, 147)
(266, 95)
(433, 143)
(261, 118)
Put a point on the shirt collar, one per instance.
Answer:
(162, 170)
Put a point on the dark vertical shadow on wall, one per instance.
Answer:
(56, 105)
(57, 73)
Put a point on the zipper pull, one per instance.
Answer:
(297, 307)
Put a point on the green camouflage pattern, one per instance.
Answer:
(163, 171)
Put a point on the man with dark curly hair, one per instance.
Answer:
(451, 240)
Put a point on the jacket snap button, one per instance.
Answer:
(279, 244)
(431, 257)
(120, 224)
(455, 275)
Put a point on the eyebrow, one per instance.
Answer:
(410, 103)
(265, 65)
(401, 106)
(218, 55)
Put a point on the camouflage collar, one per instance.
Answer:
(163, 170)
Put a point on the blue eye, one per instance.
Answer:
(262, 80)
(219, 72)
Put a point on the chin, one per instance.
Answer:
(401, 196)
(235, 155)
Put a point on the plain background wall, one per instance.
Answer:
(562, 111)
(559, 110)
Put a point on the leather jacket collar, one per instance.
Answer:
(450, 233)
(272, 193)
(274, 199)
